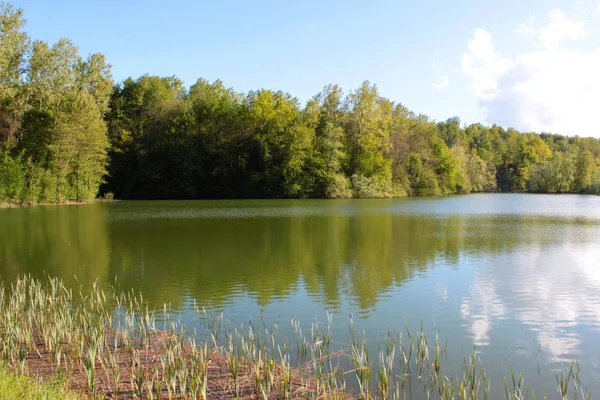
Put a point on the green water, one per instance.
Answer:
(517, 276)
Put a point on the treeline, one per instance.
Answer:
(211, 142)
(66, 131)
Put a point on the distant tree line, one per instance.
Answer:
(67, 132)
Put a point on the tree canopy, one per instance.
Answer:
(68, 133)
(53, 137)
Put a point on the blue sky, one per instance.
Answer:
(479, 60)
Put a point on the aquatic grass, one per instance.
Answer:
(286, 376)
(569, 379)
(200, 360)
(387, 355)
(113, 369)
(232, 362)
(157, 385)
(109, 341)
(363, 366)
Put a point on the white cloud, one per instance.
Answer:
(561, 28)
(553, 310)
(444, 81)
(528, 28)
(539, 294)
(598, 9)
(442, 293)
(436, 65)
(484, 64)
(482, 308)
(552, 88)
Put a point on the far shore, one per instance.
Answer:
(66, 203)
(100, 200)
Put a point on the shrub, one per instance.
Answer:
(338, 187)
(371, 187)
(109, 196)
(12, 177)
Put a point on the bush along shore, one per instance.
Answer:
(102, 344)
(107, 198)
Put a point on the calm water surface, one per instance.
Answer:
(515, 276)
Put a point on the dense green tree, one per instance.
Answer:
(80, 148)
(52, 105)
(67, 132)
(14, 45)
(450, 178)
(330, 144)
(422, 179)
(556, 175)
(367, 132)
(12, 176)
(451, 132)
(143, 160)
(585, 169)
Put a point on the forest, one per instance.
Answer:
(70, 133)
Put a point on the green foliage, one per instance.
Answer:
(12, 176)
(79, 149)
(366, 135)
(13, 50)
(211, 142)
(14, 386)
(481, 175)
(556, 175)
(422, 180)
(52, 106)
(585, 169)
(338, 187)
(371, 187)
(67, 133)
(595, 185)
(449, 175)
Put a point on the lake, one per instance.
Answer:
(514, 276)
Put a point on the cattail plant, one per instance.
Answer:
(362, 366)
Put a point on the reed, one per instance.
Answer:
(106, 343)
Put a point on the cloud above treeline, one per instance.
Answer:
(552, 88)
(443, 82)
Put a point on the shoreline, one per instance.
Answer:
(96, 201)
(66, 203)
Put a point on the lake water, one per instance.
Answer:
(517, 277)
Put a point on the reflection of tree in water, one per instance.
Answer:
(358, 254)
(64, 241)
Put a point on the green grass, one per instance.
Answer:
(13, 386)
